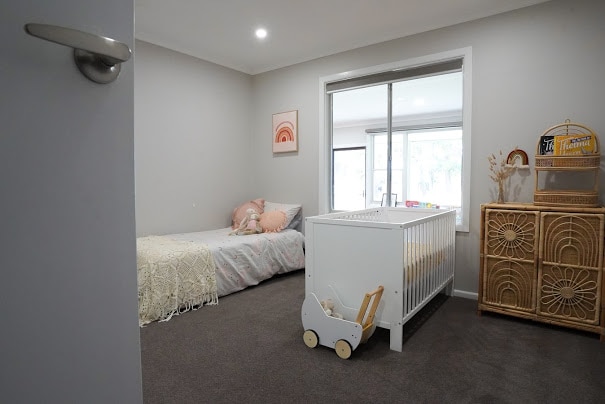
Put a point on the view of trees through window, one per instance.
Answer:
(426, 167)
(435, 167)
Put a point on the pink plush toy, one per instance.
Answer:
(249, 225)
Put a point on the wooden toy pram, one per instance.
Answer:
(342, 335)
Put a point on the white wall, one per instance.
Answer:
(532, 68)
(193, 135)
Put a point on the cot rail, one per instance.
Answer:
(410, 251)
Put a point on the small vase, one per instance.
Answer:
(500, 192)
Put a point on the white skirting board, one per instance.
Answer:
(466, 295)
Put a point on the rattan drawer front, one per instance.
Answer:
(572, 239)
(509, 284)
(569, 293)
(511, 234)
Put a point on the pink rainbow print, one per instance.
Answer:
(284, 132)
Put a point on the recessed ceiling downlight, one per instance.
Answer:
(261, 33)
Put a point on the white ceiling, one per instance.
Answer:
(222, 31)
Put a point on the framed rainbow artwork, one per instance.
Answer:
(285, 132)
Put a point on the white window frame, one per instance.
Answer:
(325, 143)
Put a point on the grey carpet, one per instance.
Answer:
(249, 349)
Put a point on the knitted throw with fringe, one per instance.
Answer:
(173, 277)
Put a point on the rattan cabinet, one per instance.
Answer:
(543, 263)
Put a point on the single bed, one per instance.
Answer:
(180, 272)
(409, 251)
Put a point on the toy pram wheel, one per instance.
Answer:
(310, 338)
(343, 349)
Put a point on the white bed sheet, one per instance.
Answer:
(243, 261)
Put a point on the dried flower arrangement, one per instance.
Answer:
(500, 171)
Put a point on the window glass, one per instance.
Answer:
(426, 143)
(379, 166)
(349, 178)
(435, 167)
(432, 176)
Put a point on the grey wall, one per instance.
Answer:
(532, 68)
(193, 137)
(68, 290)
(203, 131)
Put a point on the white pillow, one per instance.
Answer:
(292, 212)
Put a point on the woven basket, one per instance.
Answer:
(566, 198)
(568, 162)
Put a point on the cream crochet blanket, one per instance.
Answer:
(173, 277)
